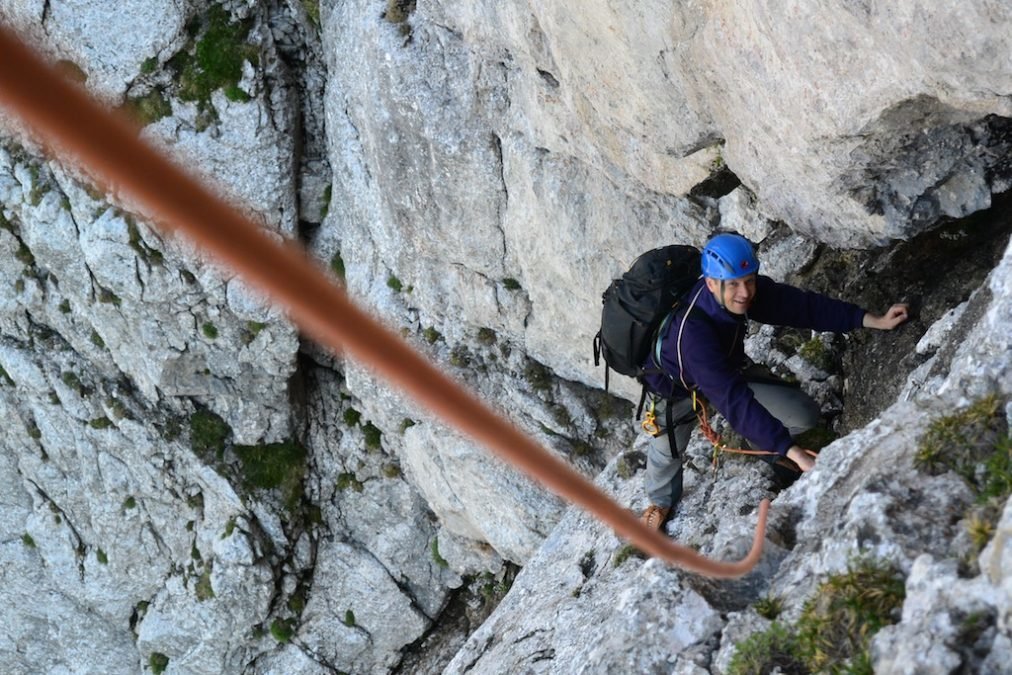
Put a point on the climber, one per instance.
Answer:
(701, 349)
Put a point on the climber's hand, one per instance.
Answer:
(801, 458)
(893, 317)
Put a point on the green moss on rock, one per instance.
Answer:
(275, 466)
(208, 434)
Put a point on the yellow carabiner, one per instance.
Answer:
(649, 423)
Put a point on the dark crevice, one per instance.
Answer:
(722, 182)
(548, 78)
(933, 272)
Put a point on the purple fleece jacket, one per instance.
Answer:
(713, 351)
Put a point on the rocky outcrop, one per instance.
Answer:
(189, 486)
(586, 599)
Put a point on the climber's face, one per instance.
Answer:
(734, 295)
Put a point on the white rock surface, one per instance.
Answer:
(483, 170)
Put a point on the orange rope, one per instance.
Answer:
(78, 129)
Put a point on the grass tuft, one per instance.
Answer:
(158, 662)
(834, 630)
(963, 441)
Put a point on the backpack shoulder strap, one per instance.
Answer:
(678, 345)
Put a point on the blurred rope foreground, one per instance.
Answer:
(78, 130)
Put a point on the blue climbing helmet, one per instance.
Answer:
(729, 256)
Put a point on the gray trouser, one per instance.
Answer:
(794, 408)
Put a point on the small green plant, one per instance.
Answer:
(348, 481)
(149, 108)
(624, 553)
(493, 589)
(233, 92)
(297, 603)
(74, 382)
(460, 357)
(511, 284)
(116, 408)
(431, 335)
(337, 265)
(964, 441)
(352, 417)
(373, 436)
(195, 553)
(158, 662)
(835, 628)
(981, 529)
(35, 196)
(34, 431)
(486, 336)
(765, 651)
(203, 589)
(282, 630)
(349, 619)
(836, 625)
(101, 556)
(129, 503)
(27, 540)
(25, 256)
(149, 65)
(560, 415)
(275, 466)
(406, 424)
(816, 353)
(107, 297)
(172, 430)
(538, 377)
(312, 8)
(216, 60)
(100, 423)
(996, 483)
(253, 329)
(397, 13)
(209, 330)
(208, 434)
(769, 607)
(229, 528)
(436, 558)
(65, 306)
(394, 283)
(327, 191)
(625, 467)
(97, 340)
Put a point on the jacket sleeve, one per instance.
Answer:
(727, 390)
(784, 305)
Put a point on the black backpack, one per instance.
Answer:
(637, 303)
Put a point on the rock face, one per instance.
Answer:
(189, 487)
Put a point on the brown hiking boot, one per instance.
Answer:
(654, 516)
